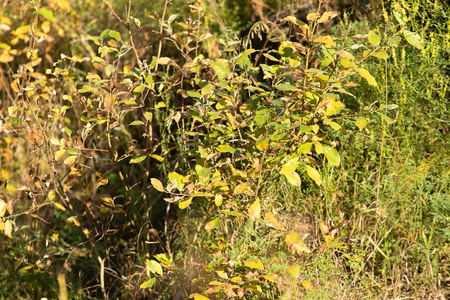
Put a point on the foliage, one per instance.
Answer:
(189, 163)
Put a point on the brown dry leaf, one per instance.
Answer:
(323, 228)
(109, 101)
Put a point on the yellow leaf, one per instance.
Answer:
(222, 274)
(255, 288)
(198, 297)
(294, 270)
(254, 210)
(367, 76)
(240, 188)
(327, 40)
(292, 238)
(74, 220)
(273, 222)
(157, 184)
(293, 178)
(185, 203)
(237, 280)
(212, 224)
(314, 174)
(327, 16)
(308, 285)
(70, 160)
(8, 228)
(15, 85)
(59, 154)
(254, 264)
(2, 208)
(218, 200)
(299, 248)
(59, 206)
(262, 143)
(312, 16)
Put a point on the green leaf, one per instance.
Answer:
(304, 148)
(104, 34)
(212, 224)
(137, 122)
(245, 55)
(148, 284)
(138, 159)
(374, 38)
(157, 184)
(221, 68)
(154, 266)
(232, 213)
(332, 155)
(293, 178)
(314, 174)
(178, 178)
(386, 118)
(285, 87)
(115, 35)
(361, 122)
(226, 148)
(48, 14)
(413, 38)
(262, 144)
(367, 76)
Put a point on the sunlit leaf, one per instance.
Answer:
(374, 38)
(361, 122)
(59, 206)
(226, 148)
(148, 284)
(327, 40)
(198, 297)
(262, 143)
(367, 76)
(154, 266)
(222, 274)
(308, 285)
(294, 270)
(185, 203)
(157, 184)
(254, 264)
(212, 224)
(2, 208)
(273, 222)
(70, 160)
(413, 38)
(254, 211)
(380, 54)
(48, 14)
(138, 159)
(314, 174)
(8, 228)
(332, 155)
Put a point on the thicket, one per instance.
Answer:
(224, 150)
